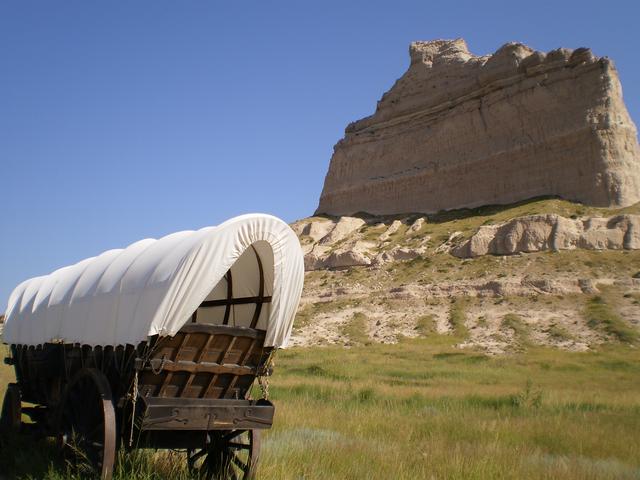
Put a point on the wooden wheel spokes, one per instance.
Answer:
(87, 427)
(230, 456)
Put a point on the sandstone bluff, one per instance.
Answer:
(457, 130)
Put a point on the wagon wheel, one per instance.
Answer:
(10, 421)
(87, 422)
(231, 455)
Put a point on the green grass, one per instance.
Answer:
(426, 409)
(304, 316)
(355, 330)
(21, 458)
(601, 316)
(559, 333)
(517, 325)
(458, 318)
(426, 325)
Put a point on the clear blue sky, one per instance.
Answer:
(125, 120)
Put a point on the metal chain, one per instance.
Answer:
(162, 363)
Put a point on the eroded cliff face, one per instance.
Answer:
(457, 130)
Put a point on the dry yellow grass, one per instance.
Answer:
(425, 409)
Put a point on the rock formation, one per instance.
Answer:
(351, 242)
(457, 130)
(538, 233)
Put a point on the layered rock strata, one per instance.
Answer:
(458, 130)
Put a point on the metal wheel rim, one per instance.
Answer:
(86, 423)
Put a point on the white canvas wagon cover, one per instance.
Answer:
(153, 286)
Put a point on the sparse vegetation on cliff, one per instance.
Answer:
(519, 328)
(355, 330)
(601, 316)
(426, 325)
(458, 318)
(548, 290)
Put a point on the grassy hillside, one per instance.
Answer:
(425, 409)
(542, 288)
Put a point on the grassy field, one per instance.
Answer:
(425, 409)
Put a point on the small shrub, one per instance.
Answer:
(303, 317)
(356, 330)
(366, 395)
(558, 333)
(518, 326)
(426, 325)
(315, 371)
(458, 318)
(530, 397)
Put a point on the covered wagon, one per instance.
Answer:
(158, 345)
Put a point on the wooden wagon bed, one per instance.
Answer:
(182, 390)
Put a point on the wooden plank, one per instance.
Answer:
(229, 347)
(167, 379)
(204, 349)
(212, 382)
(165, 384)
(229, 387)
(247, 353)
(235, 301)
(235, 378)
(215, 376)
(223, 330)
(227, 310)
(198, 360)
(206, 414)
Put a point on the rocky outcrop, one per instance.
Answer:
(393, 228)
(350, 241)
(458, 130)
(537, 233)
(397, 254)
(344, 227)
